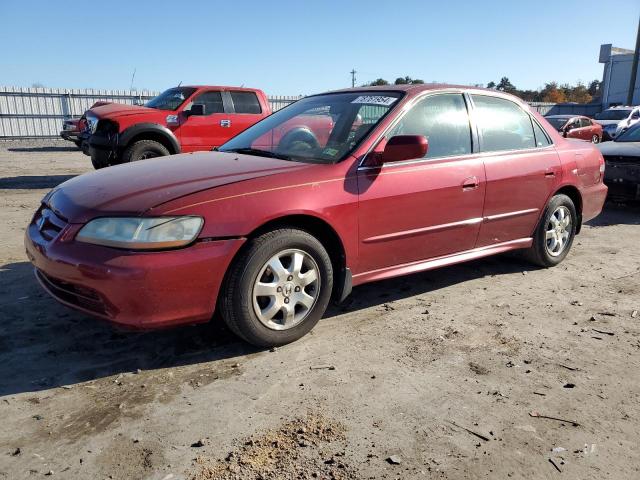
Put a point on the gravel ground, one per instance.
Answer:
(448, 374)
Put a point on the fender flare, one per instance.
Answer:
(155, 128)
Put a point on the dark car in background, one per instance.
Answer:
(576, 126)
(72, 129)
(622, 160)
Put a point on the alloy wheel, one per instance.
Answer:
(286, 289)
(558, 231)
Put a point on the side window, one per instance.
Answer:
(245, 102)
(585, 122)
(212, 102)
(444, 120)
(503, 124)
(542, 140)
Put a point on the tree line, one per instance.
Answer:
(552, 92)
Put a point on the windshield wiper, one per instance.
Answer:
(259, 153)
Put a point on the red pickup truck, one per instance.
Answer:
(181, 119)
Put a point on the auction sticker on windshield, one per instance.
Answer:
(375, 100)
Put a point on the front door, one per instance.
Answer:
(424, 208)
(203, 132)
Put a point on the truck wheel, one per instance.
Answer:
(554, 234)
(144, 149)
(278, 288)
(99, 158)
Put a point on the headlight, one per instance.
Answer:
(149, 233)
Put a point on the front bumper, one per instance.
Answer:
(140, 290)
(623, 180)
(70, 135)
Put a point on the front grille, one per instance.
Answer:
(80, 296)
(622, 159)
(49, 224)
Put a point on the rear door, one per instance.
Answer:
(203, 132)
(246, 110)
(522, 167)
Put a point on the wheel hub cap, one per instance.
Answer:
(558, 231)
(286, 289)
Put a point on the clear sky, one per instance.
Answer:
(303, 47)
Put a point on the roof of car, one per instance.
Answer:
(414, 87)
(219, 87)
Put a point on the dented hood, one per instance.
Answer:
(134, 188)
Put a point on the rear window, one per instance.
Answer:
(246, 102)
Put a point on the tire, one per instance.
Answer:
(300, 139)
(541, 252)
(239, 307)
(144, 149)
(595, 139)
(99, 158)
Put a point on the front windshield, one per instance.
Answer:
(631, 135)
(612, 115)
(170, 99)
(322, 128)
(557, 123)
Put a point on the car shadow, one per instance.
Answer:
(617, 214)
(33, 182)
(43, 149)
(45, 345)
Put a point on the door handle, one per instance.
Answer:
(470, 183)
(225, 123)
(549, 173)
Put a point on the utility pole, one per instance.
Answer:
(353, 77)
(634, 68)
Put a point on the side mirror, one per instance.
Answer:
(405, 147)
(196, 109)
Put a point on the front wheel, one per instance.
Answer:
(595, 139)
(278, 288)
(554, 235)
(144, 149)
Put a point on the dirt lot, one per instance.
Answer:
(435, 375)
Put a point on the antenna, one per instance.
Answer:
(180, 83)
(353, 77)
(132, 77)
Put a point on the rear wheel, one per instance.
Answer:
(278, 288)
(595, 139)
(144, 149)
(555, 233)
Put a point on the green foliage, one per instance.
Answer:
(552, 92)
(399, 81)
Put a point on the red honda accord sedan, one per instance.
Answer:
(271, 227)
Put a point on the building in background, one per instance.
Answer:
(617, 75)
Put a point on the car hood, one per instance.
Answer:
(604, 123)
(134, 188)
(624, 149)
(111, 110)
